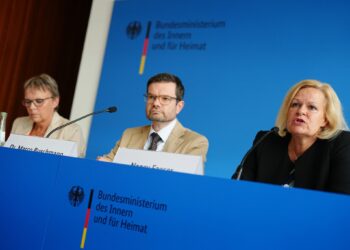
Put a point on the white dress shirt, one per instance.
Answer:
(163, 133)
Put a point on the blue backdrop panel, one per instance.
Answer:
(245, 55)
(201, 213)
(26, 189)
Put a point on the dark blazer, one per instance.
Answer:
(324, 166)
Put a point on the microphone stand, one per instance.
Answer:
(110, 110)
(237, 175)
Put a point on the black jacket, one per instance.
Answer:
(324, 166)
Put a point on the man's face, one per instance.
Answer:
(162, 107)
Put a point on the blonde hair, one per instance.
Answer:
(43, 82)
(333, 109)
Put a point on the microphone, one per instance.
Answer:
(238, 173)
(109, 110)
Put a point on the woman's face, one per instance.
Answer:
(306, 114)
(40, 105)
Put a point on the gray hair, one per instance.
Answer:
(43, 82)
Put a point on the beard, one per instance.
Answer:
(156, 118)
(159, 117)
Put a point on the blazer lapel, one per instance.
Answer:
(54, 124)
(138, 140)
(175, 139)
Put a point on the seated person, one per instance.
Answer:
(311, 149)
(41, 99)
(164, 101)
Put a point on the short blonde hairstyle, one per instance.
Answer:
(43, 82)
(333, 109)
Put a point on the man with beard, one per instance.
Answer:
(164, 101)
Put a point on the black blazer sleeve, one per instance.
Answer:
(339, 175)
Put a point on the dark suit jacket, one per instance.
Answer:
(181, 140)
(324, 166)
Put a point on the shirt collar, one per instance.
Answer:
(165, 132)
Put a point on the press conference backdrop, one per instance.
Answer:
(237, 59)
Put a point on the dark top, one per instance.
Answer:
(324, 166)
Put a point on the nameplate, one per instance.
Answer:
(42, 145)
(190, 164)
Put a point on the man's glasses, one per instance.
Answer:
(37, 102)
(163, 99)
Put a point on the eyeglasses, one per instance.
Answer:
(37, 102)
(163, 99)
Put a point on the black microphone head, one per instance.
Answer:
(111, 109)
(275, 129)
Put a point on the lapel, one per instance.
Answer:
(175, 139)
(54, 124)
(139, 139)
(25, 126)
(312, 166)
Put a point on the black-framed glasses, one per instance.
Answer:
(163, 99)
(37, 102)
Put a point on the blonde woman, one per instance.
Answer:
(41, 99)
(312, 147)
